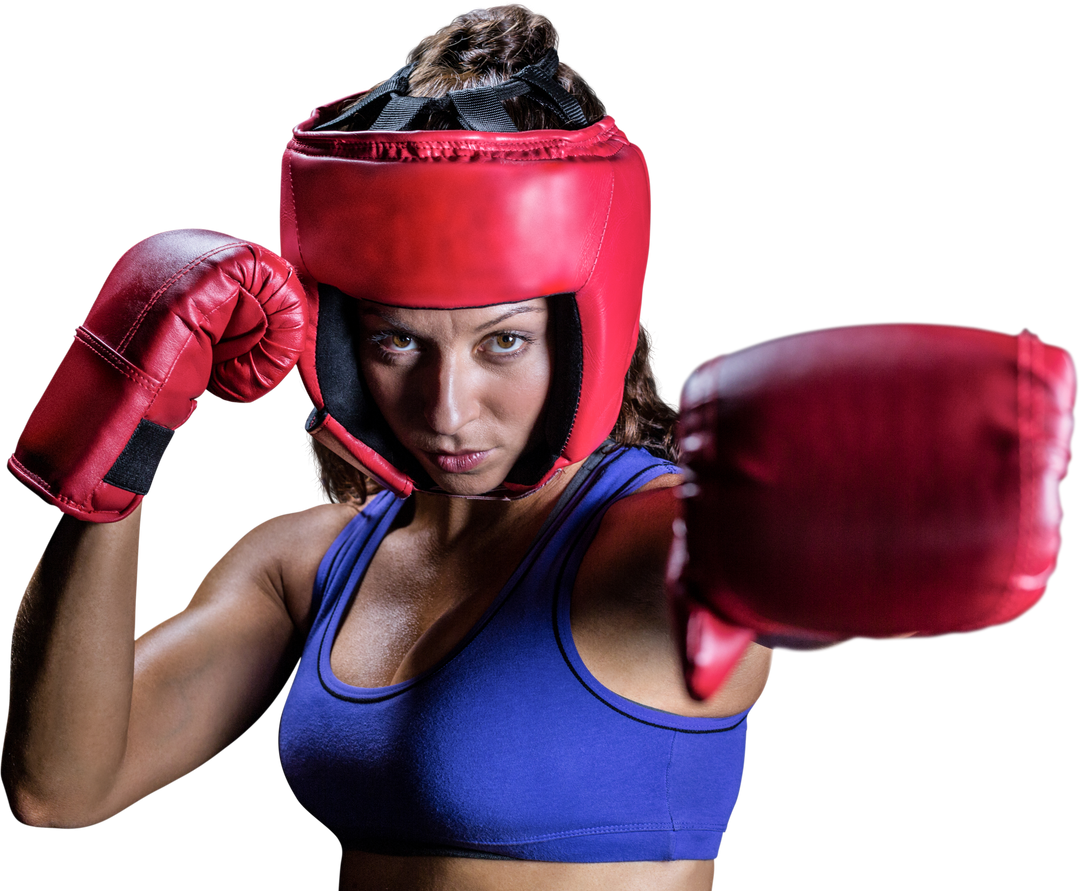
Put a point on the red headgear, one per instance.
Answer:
(448, 219)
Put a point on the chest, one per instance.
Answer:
(417, 603)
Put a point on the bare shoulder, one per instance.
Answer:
(638, 528)
(620, 619)
(283, 554)
(668, 481)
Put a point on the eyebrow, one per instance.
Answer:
(517, 310)
(391, 319)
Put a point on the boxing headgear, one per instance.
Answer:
(449, 219)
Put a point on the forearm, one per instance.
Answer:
(72, 673)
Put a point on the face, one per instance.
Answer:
(462, 389)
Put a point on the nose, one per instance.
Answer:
(450, 395)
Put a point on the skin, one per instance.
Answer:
(460, 383)
(98, 721)
(483, 378)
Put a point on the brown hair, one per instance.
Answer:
(645, 420)
(484, 48)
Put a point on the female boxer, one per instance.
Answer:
(453, 730)
(488, 694)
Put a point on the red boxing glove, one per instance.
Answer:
(873, 481)
(181, 312)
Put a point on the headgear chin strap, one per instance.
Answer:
(450, 219)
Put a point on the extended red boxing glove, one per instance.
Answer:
(182, 312)
(873, 481)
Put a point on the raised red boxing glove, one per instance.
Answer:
(873, 481)
(182, 312)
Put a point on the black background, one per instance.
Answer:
(806, 171)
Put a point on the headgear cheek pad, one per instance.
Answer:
(452, 219)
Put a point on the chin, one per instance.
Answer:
(461, 490)
(467, 484)
(479, 482)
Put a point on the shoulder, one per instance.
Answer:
(624, 566)
(284, 553)
(626, 560)
(622, 624)
(304, 528)
(639, 525)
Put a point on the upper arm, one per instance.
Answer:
(203, 676)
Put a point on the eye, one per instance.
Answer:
(396, 342)
(505, 342)
(401, 342)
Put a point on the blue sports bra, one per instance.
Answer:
(508, 747)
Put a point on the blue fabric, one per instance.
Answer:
(508, 747)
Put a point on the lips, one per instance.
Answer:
(458, 462)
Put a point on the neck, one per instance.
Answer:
(457, 520)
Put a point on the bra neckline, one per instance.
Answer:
(380, 527)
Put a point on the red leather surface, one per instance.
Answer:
(874, 481)
(181, 312)
(450, 219)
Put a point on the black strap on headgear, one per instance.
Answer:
(389, 107)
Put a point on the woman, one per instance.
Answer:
(224, 608)
(476, 404)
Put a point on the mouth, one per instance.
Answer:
(458, 462)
